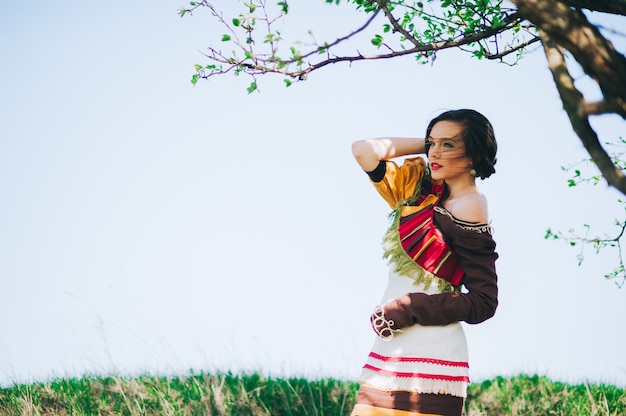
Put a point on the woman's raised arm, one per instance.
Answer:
(369, 152)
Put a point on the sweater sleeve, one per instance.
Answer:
(399, 181)
(479, 300)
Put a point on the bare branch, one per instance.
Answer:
(348, 36)
(511, 50)
(605, 106)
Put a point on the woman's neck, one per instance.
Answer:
(460, 187)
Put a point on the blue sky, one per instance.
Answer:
(150, 226)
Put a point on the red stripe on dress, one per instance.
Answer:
(417, 375)
(419, 360)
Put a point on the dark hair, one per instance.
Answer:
(480, 141)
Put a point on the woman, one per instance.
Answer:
(439, 241)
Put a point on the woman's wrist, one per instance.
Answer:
(420, 146)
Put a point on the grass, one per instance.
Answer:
(228, 394)
(524, 395)
(222, 394)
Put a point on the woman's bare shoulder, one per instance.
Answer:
(472, 207)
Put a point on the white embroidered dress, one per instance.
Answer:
(423, 359)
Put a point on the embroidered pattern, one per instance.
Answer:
(416, 374)
(382, 326)
(446, 363)
(479, 228)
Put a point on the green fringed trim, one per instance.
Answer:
(402, 263)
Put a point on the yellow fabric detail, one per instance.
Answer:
(448, 254)
(410, 209)
(425, 246)
(367, 410)
(416, 229)
(399, 182)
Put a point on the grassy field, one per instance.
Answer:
(254, 394)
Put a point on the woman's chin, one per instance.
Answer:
(436, 176)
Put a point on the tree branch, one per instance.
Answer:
(571, 30)
(574, 104)
(348, 36)
(396, 25)
(604, 6)
(603, 107)
(259, 65)
(521, 46)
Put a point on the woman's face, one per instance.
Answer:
(446, 154)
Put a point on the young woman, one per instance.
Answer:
(439, 243)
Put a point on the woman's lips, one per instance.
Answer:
(435, 166)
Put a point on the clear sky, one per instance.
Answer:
(150, 226)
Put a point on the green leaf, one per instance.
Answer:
(287, 82)
(225, 38)
(377, 40)
(295, 54)
(284, 7)
(236, 22)
(194, 79)
(571, 182)
(252, 87)
(250, 6)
